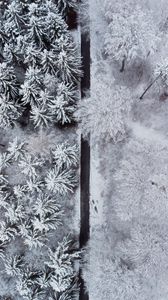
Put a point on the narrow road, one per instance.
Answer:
(85, 164)
(85, 153)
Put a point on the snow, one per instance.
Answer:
(96, 191)
(127, 253)
(148, 134)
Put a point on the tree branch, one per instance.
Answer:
(149, 86)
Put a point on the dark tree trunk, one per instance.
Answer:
(149, 86)
(123, 65)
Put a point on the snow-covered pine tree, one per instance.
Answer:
(27, 286)
(61, 261)
(14, 20)
(8, 81)
(9, 107)
(13, 265)
(40, 113)
(41, 116)
(48, 62)
(68, 62)
(66, 155)
(59, 180)
(47, 213)
(29, 165)
(16, 149)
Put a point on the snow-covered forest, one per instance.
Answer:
(40, 71)
(126, 114)
(83, 150)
